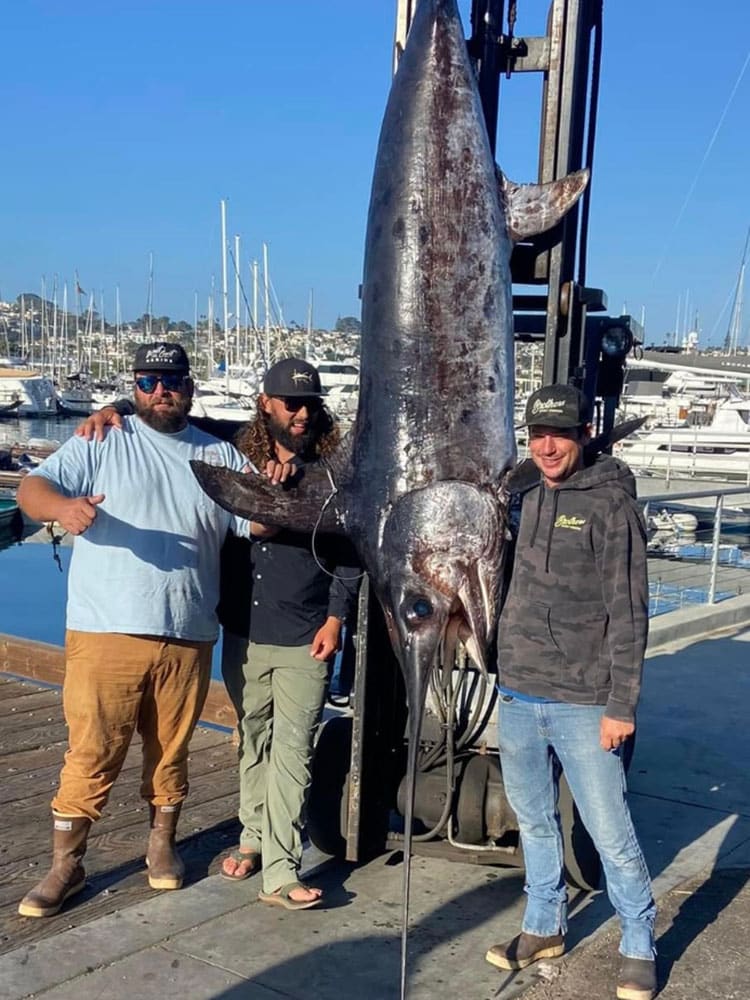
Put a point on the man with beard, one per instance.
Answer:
(141, 620)
(282, 608)
(278, 644)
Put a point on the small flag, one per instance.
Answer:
(79, 290)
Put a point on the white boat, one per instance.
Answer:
(719, 449)
(220, 407)
(674, 522)
(34, 393)
(337, 373)
(342, 401)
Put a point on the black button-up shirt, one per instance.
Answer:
(274, 592)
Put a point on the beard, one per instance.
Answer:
(166, 421)
(299, 444)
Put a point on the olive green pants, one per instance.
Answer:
(278, 694)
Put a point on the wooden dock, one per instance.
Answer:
(33, 738)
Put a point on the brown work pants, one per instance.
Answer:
(114, 685)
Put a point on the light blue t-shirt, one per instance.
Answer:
(149, 564)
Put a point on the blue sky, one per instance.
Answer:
(125, 124)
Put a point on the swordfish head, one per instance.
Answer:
(439, 574)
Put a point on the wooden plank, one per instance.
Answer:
(20, 761)
(29, 739)
(115, 864)
(125, 794)
(32, 744)
(29, 699)
(112, 887)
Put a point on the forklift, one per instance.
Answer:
(357, 796)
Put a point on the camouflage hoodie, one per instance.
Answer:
(575, 620)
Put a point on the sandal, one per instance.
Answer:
(282, 897)
(249, 858)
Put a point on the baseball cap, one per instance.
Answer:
(161, 357)
(292, 377)
(561, 406)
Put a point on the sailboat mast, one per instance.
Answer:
(266, 304)
(237, 306)
(732, 340)
(224, 289)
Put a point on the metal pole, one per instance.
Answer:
(715, 550)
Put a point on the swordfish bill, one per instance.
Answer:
(423, 493)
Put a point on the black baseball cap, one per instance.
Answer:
(292, 377)
(561, 406)
(161, 357)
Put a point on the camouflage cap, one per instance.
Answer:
(561, 406)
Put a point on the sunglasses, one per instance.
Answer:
(294, 403)
(170, 383)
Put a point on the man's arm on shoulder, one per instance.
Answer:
(93, 427)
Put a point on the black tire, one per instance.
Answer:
(328, 802)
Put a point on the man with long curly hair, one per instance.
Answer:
(282, 607)
(278, 644)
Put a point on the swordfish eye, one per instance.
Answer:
(419, 609)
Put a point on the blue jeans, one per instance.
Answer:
(529, 733)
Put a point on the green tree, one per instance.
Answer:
(347, 324)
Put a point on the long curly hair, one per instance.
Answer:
(255, 439)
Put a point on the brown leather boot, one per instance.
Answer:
(524, 949)
(165, 867)
(66, 876)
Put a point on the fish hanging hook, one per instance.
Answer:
(326, 503)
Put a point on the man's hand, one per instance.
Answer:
(327, 640)
(79, 513)
(92, 428)
(613, 733)
(279, 472)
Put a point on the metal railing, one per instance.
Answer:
(711, 571)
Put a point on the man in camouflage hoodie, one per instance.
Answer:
(570, 655)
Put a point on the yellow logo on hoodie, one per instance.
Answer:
(571, 523)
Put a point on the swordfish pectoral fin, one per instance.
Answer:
(303, 507)
(535, 208)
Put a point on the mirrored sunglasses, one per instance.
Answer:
(171, 383)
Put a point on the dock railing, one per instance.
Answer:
(684, 571)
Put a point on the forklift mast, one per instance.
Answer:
(359, 761)
(552, 303)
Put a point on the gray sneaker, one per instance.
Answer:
(524, 950)
(637, 979)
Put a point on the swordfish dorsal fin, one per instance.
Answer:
(308, 503)
(534, 208)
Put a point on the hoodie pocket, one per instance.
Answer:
(579, 631)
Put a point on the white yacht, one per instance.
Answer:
(336, 373)
(719, 449)
(34, 393)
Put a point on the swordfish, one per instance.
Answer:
(422, 490)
